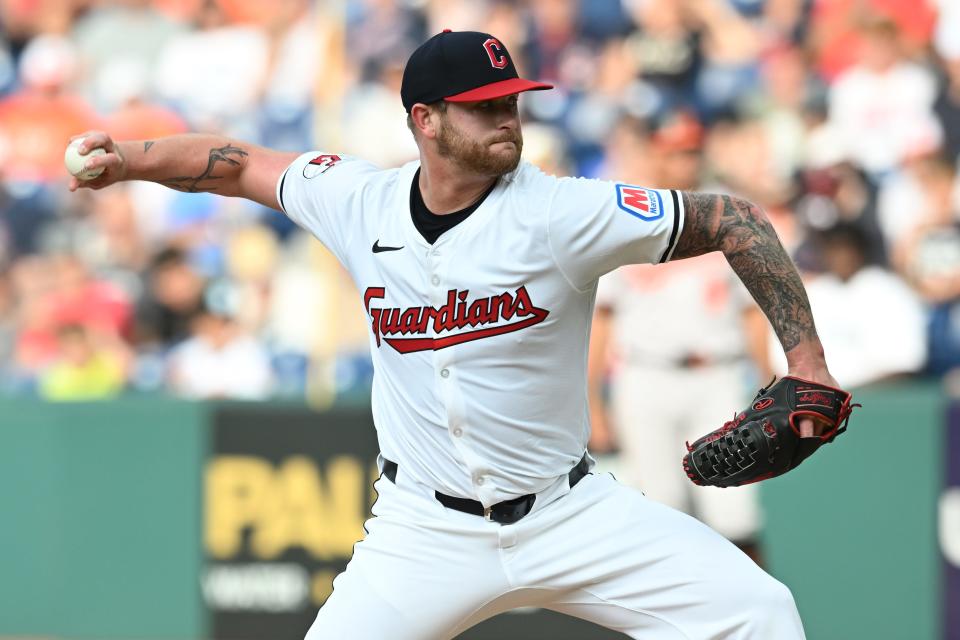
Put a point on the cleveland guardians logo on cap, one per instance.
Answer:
(461, 66)
(498, 55)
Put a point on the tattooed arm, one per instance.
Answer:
(190, 163)
(743, 233)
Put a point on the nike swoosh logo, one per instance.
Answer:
(378, 249)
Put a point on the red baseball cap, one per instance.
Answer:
(461, 66)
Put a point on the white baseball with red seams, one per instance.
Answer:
(479, 343)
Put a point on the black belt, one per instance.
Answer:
(506, 512)
(683, 361)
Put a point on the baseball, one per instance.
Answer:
(75, 162)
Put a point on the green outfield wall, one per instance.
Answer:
(853, 531)
(100, 519)
(151, 519)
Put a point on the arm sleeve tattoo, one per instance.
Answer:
(742, 232)
(228, 154)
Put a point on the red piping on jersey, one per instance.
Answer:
(456, 313)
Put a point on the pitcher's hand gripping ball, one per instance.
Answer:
(76, 163)
(764, 441)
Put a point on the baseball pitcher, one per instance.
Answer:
(478, 274)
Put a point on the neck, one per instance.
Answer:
(446, 189)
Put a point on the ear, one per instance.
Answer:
(426, 120)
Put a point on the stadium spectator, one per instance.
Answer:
(252, 256)
(830, 194)
(871, 323)
(113, 38)
(219, 359)
(83, 369)
(59, 291)
(834, 36)
(667, 52)
(214, 75)
(375, 122)
(173, 295)
(782, 102)
(123, 88)
(299, 52)
(919, 186)
(36, 121)
(882, 107)
(928, 256)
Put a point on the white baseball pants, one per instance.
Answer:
(656, 410)
(602, 552)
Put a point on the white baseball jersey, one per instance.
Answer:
(479, 341)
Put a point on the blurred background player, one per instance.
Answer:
(681, 344)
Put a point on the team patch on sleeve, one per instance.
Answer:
(320, 165)
(639, 202)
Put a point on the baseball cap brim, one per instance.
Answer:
(498, 90)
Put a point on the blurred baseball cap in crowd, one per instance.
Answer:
(461, 66)
(681, 132)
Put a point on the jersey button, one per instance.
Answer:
(445, 373)
(458, 432)
(480, 480)
(435, 280)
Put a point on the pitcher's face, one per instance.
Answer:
(482, 137)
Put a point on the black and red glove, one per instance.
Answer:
(764, 441)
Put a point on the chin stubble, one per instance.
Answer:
(475, 156)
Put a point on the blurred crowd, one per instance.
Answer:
(841, 118)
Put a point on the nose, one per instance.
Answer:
(509, 120)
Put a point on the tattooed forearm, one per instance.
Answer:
(147, 145)
(193, 184)
(742, 232)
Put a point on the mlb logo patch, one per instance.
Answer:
(639, 202)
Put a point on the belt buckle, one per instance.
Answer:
(488, 514)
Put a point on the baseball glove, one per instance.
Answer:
(764, 440)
